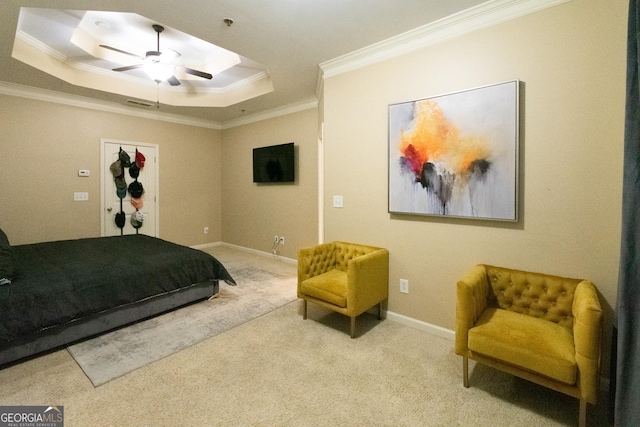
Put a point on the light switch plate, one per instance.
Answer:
(404, 286)
(337, 201)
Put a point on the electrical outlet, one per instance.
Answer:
(206, 230)
(282, 240)
(275, 239)
(404, 286)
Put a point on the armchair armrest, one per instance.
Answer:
(587, 336)
(471, 301)
(367, 280)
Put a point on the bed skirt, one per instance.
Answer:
(80, 329)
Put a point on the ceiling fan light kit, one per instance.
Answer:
(158, 65)
(158, 71)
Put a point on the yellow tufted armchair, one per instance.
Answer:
(345, 277)
(545, 329)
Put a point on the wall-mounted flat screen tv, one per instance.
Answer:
(274, 163)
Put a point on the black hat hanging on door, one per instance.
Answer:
(134, 170)
(120, 219)
(117, 170)
(136, 190)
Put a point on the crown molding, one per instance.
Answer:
(295, 107)
(482, 16)
(28, 92)
(45, 95)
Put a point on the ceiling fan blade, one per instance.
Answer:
(128, 67)
(173, 81)
(197, 73)
(121, 51)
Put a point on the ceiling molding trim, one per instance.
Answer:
(482, 16)
(319, 83)
(21, 91)
(262, 75)
(33, 52)
(43, 47)
(295, 107)
(28, 92)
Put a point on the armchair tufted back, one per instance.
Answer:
(535, 294)
(328, 256)
(344, 252)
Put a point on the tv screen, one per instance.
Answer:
(274, 163)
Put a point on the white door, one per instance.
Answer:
(148, 177)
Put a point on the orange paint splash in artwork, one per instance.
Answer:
(434, 139)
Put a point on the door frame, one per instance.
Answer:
(103, 174)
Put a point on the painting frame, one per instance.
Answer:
(456, 155)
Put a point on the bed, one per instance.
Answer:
(56, 293)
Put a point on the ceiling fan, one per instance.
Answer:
(159, 65)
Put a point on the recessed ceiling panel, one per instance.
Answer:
(85, 47)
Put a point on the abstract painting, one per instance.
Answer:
(456, 155)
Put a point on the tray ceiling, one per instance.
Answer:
(286, 49)
(68, 44)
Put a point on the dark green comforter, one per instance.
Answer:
(60, 282)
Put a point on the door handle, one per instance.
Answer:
(109, 209)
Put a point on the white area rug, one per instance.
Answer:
(119, 352)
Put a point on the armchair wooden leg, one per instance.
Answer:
(582, 417)
(304, 309)
(380, 311)
(353, 327)
(465, 371)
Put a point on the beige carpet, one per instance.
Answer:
(279, 370)
(258, 292)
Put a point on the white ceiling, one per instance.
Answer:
(86, 48)
(286, 39)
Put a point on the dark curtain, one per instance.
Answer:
(627, 396)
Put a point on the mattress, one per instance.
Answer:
(65, 283)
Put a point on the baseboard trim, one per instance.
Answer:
(407, 321)
(262, 253)
(206, 245)
(245, 249)
(422, 326)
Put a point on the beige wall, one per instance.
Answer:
(43, 144)
(253, 213)
(571, 60)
